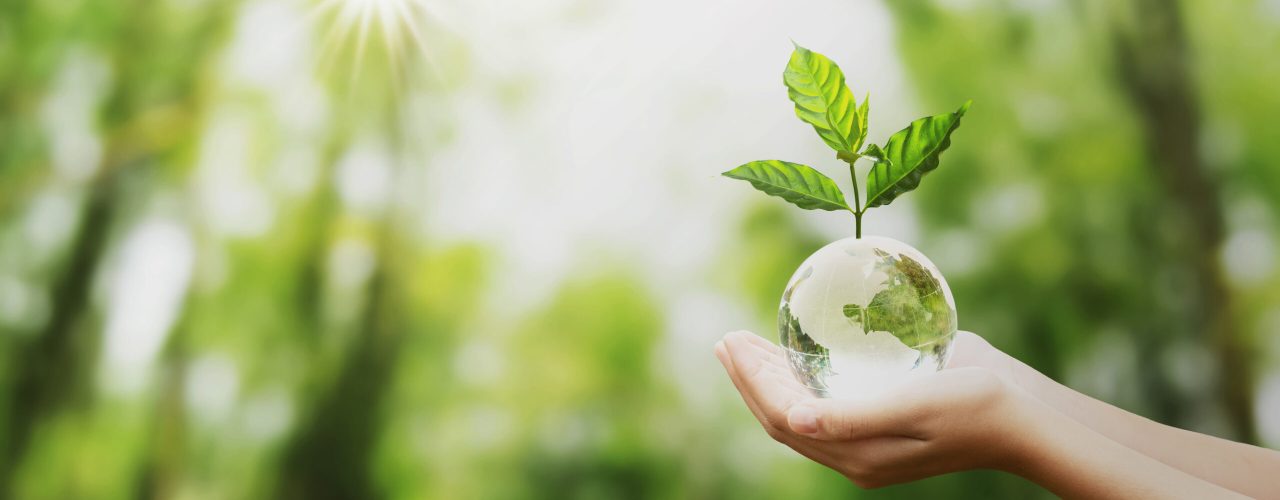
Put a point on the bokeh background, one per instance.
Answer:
(485, 252)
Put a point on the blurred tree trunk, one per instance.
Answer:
(321, 211)
(50, 369)
(162, 469)
(331, 453)
(1154, 69)
(54, 366)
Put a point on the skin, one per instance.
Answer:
(975, 416)
(1237, 466)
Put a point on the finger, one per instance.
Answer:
(722, 354)
(774, 362)
(786, 380)
(905, 410)
(800, 444)
(778, 357)
(848, 420)
(777, 365)
(780, 372)
(764, 344)
(770, 351)
(772, 393)
(735, 375)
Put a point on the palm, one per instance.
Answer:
(921, 431)
(971, 350)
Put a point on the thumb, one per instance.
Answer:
(845, 420)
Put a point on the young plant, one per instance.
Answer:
(817, 87)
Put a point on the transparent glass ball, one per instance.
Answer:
(861, 315)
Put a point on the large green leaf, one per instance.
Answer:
(801, 185)
(908, 155)
(816, 85)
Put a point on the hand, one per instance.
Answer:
(1235, 466)
(965, 418)
(970, 350)
(976, 414)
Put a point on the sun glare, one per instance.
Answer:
(353, 23)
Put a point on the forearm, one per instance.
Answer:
(1074, 461)
(1239, 467)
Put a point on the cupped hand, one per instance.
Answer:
(970, 350)
(961, 418)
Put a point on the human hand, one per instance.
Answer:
(1230, 465)
(964, 418)
(970, 350)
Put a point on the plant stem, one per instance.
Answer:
(857, 199)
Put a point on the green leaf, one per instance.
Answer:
(801, 185)
(874, 152)
(816, 85)
(864, 111)
(908, 155)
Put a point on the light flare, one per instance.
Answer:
(352, 21)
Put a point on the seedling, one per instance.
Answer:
(822, 99)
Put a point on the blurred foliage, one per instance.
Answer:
(1098, 220)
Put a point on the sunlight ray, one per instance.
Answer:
(351, 23)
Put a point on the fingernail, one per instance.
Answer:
(803, 420)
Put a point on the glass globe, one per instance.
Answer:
(861, 315)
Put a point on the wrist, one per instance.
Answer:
(1054, 451)
(1026, 378)
(1029, 425)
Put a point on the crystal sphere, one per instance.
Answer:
(861, 315)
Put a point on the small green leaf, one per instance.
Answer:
(801, 185)
(847, 157)
(874, 152)
(908, 155)
(864, 112)
(816, 85)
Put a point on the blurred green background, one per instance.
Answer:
(479, 249)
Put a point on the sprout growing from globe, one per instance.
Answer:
(860, 314)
